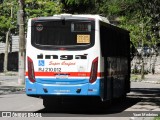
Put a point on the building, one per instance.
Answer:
(12, 54)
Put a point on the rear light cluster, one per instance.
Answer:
(31, 74)
(93, 73)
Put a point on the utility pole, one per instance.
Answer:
(21, 62)
(6, 52)
(142, 68)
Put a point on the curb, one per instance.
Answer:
(154, 82)
(153, 79)
(145, 81)
(11, 89)
(9, 74)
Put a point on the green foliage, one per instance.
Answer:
(76, 2)
(156, 118)
(8, 16)
(33, 8)
(140, 17)
(79, 6)
(37, 8)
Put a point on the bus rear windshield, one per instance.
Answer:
(67, 34)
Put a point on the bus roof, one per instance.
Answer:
(82, 16)
(76, 16)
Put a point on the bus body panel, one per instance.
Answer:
(116, 42)
(60, 72)
(62, 89)
(63, 72)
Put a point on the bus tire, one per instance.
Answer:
(50, 103)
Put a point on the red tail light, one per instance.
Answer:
(31, 75)
(93, 73)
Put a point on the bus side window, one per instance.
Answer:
(107, 39)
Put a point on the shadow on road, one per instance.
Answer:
(141, 96)
(153, 92)
(80, 108)
(151, 96)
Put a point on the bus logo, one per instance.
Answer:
(39, 27)
(41, 63)
(62, 57)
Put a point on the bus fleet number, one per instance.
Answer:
(49, 69)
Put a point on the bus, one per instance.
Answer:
(71, 55)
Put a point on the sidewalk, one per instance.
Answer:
(9, 83)
(148, 78)
(155, 79)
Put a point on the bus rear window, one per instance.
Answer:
(66, 34)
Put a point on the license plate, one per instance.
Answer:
(61, 76)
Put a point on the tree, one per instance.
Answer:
(80, 6)
(8, 16)
(33, 8)
(129, 14)
(8, 22)
(37, 8)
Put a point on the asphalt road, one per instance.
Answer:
(143, 97)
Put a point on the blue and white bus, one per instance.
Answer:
(75, 56)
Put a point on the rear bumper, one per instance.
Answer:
(39, 89)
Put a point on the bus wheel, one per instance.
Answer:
(47, 104)
(106, 104)
(50, 104)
